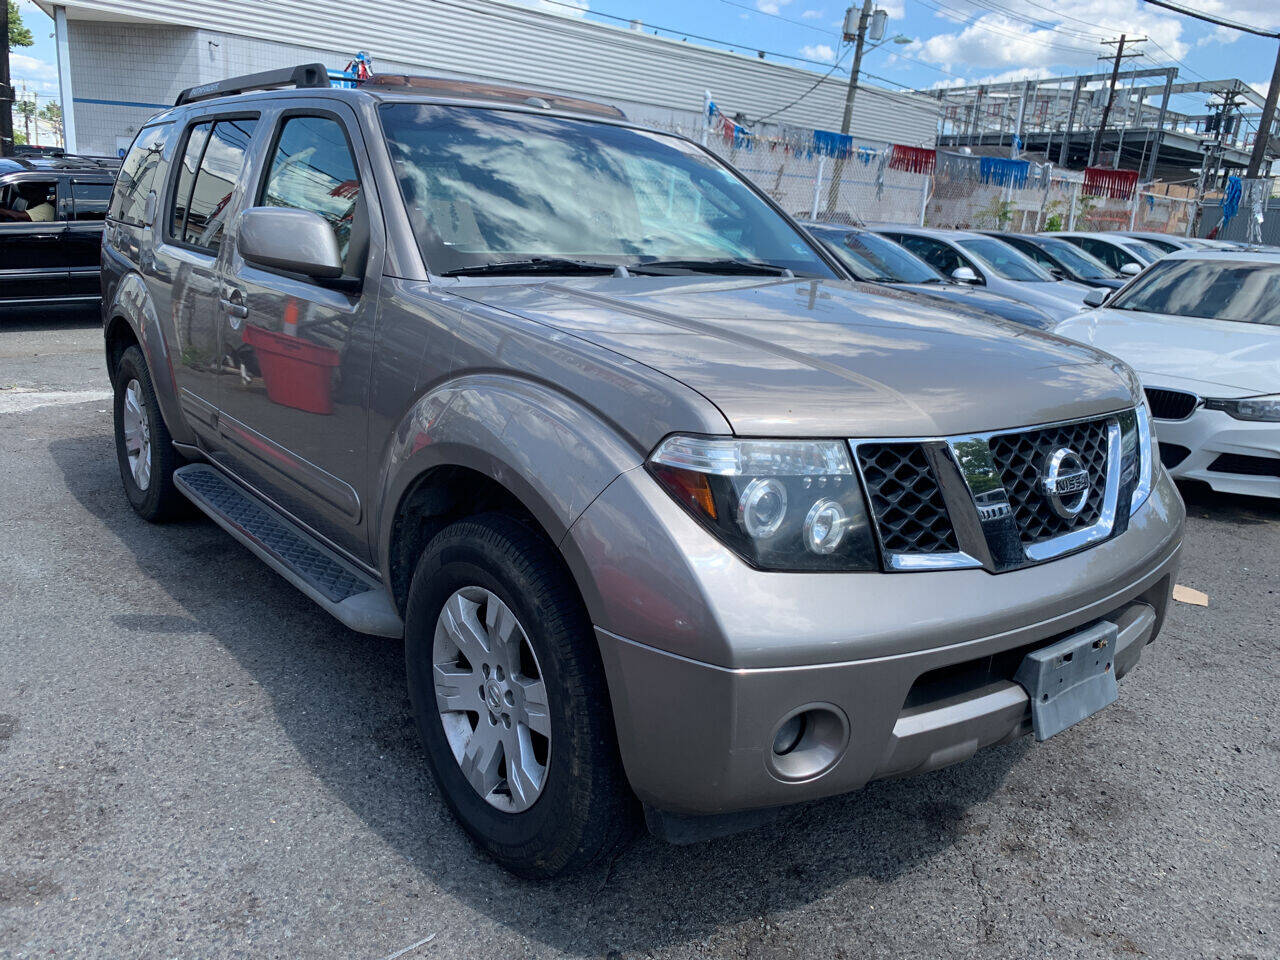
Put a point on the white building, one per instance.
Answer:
(122, 60)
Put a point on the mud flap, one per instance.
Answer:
(1071, 679)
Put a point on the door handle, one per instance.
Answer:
(234, 309)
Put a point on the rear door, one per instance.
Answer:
(87, 209)
(293, 415)
(204, 188)
(33, 264)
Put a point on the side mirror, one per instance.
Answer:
(964, 275)
(281, 238)
(1131, 269)
(1096, 297)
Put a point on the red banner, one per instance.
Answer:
(1105, 182)
(913, 159)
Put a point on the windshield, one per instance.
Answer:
(1243, 291)
(1075, 259)
(485, 186)
(1004, 261)
(872, 257)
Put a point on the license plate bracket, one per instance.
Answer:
(1071, 679)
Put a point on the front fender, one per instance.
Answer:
(553, 454)
(131, 303)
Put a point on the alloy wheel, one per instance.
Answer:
(137, 434)
(492, 699)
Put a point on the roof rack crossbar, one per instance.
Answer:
(306, 75)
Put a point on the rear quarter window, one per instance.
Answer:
(139, 175)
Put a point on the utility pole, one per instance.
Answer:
(1264, 124)
(1111, 93)
(6, 91)
(833, 190)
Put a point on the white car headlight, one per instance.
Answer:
(1265, 409)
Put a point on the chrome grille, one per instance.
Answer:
(1171, 404)
(1020, 457)
(905, 499)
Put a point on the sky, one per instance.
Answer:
(952, 42)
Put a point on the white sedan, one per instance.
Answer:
(1203, 331)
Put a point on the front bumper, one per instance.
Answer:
(705, 657)
(1214, 443)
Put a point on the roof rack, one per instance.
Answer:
(306, 75)
(500, 93)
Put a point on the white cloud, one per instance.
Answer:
(995, 42)
(895, 8)
(1262, 14)
(40, 75)
(813, 15)
(818, 51)
(771, 6)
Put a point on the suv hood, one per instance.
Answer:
(1242, 356)
(813, 358)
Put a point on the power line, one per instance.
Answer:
(817, 83)
(980, 24)
(1216, 21)
(696, 36)
(777, 16)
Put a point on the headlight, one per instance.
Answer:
(1266, 409)
(779, 504)
(1137, 459)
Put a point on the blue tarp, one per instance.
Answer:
(1003, 172)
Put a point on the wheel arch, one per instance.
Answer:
(131, 318)
(487, 442)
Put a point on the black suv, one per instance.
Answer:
(51, 213)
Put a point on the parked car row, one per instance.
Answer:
(1198, 319)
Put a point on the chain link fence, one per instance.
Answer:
(865, 188)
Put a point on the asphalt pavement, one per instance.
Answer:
(195, 761)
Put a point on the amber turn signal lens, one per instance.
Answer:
(689, 488)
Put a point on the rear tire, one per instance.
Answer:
(144, 448)
(569, 805)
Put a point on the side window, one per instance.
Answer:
(1036, 254)
(215, 182)
(1103, 251)
(312, 169)
(89, 200)
(197, 138)
(29, 201)
(938, 255)
(137, 176)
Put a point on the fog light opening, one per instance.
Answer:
(788, 735)
(808, 742)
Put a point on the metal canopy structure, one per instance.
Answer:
(1056, 118)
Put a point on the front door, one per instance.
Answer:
(293, 412)
(33, 264)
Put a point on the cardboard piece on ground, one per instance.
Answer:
(1187, 595)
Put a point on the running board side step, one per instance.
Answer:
(350, 594)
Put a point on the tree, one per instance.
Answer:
(51, 113)
(19, 35)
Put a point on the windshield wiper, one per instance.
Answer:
(726, 265)
(534, 265)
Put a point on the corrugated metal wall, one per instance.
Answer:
(482, 38)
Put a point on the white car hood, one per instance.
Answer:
(1243, 358)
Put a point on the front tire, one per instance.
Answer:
(510, 699)
(144, 448)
